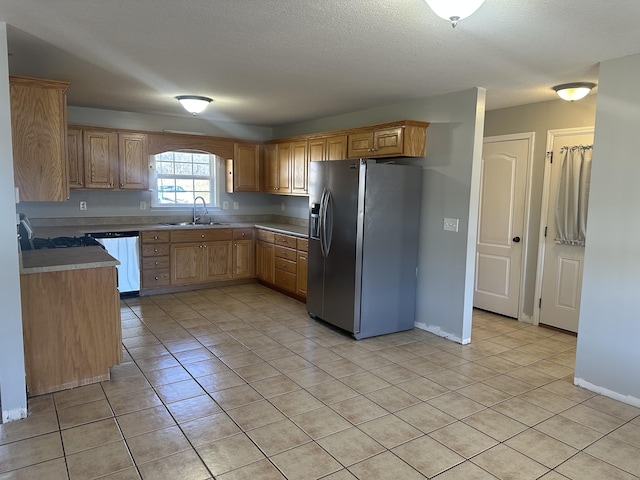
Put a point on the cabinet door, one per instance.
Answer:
(243, 259)
(185, 263)
(75, 159)
(284, 168)
(270, 168)
(299, 168)
(360, 145)
(218, 261)
(265, 262)
(100, 158)
(301, 276)
(38, 132)
(336, 147)
(246, 167)
(134, 161)
(388, 141)
(317, 149)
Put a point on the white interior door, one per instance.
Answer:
(500, 240)
(562, 265)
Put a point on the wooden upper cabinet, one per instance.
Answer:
(133, 154)
(75, 158)
(39, 138)
(299, 168)
(407, 139)
(328, 148)
(270, 164)
(284, 168)
(336, 147)
(100, 159)
(244, 168)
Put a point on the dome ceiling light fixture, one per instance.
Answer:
(573, 91)
(194, 103)
(454, 10)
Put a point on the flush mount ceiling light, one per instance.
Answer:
(573, 91)
(454, 10)
(194, 103)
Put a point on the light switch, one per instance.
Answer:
(451, 224)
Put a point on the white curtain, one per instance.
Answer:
(573, 195)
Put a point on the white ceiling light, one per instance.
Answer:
(574, 91)
(454, 10)
(194, 103)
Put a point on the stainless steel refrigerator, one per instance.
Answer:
(363, 245)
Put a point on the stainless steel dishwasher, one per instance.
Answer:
(125, 247)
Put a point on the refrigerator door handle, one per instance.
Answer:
(321, 222)
(327, 224)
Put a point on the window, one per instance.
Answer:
(181, 176)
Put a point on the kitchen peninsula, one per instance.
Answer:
(71, 317)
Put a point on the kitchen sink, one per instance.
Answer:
(191, 224)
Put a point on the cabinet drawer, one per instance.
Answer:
(287, 253)
(202, 235)
(265, 236)
(155, 250)
(302, 244)
(286, 265)
(149, 263)
(154, 237)
(243, 233)
(156, 278)
(286, 280)
(285, 240)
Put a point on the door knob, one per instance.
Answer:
(516, 239)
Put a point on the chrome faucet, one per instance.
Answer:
(204, 205)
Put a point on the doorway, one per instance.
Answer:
(502, 226)
(559, 275)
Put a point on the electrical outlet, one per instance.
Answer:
(451, 224)
(143, 205)
(282, 206)
(83, 205)
(236, 205)
(225, 205)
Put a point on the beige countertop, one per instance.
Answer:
(58, 259)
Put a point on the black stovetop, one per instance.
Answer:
(64, 242)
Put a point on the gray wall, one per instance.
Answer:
(12, 383)
(538, 118)
(608, 356)
(450, 189)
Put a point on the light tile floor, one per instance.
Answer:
(239, 383)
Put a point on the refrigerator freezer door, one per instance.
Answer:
(315, 273)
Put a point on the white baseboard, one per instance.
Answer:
(606, 392)
(439, 332)
(15, 414)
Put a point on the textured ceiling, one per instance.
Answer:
(273, 62)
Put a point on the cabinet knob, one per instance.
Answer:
(202, 236)
(156, 263)
(155, 250)
(111, 184)
(157, 278)
(200, 246)
(122, 184)
(155, 237)
(243, 234)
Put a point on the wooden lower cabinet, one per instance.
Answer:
(218, 261)
(155, 262)
(265, 262)
(201, 262)
(281, 262)
(71, 327)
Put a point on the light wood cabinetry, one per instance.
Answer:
(243, 170)
(109, 159)
(328, 148)
(277, 264)
(75, 160)
(407, 139)
(155, 264)
(286, 168)
(70, 343)
(243, 254)
(201, 255)
(39, 138)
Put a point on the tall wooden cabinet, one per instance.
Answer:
(39, 138)
(286, 168)
(328, 148)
